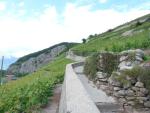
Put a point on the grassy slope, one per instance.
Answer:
(114, 41)
(33, 90)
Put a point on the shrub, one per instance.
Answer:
(90, 67)
(109, 62)
(138, 23)
(83, 40)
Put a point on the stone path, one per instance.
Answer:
(105, 103)
(52, 106)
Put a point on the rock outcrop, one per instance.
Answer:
(34, 61)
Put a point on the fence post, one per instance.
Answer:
(1, 70)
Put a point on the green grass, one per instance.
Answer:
(114, 41)
(32, 91)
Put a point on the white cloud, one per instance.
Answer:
(22, 37)
(21, 12)
(21, 4)
(2, 6)
(102, 1)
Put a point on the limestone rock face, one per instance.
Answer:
(34, 61)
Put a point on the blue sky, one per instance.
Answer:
(31, 7)
(30, 25)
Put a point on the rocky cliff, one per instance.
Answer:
(32, 62)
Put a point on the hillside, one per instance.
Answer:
(34, 61)
(134, 34)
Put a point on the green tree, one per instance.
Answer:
(83, 40)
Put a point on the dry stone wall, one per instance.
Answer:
(133, 92)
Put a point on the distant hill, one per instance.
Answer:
(131, 35)
(34, 61)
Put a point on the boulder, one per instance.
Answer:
(144, 91)
(116, 88)
(142, 98)
(125, 67)
(130, 98)
(104, 87)
(97, 82)
(122, 64)
(128, 63)
(140, 94)
(122, 100)
(122, 92)
(147, 104)
(139, 52)
(138, 58)
(114, 82)
(123, 58)
(141, 102)
(139, 84)
(101, 75)
(132, 103)
(103, 80)
(116, 94)
(130, 92)
(136, 89)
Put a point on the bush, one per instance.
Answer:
(90, 67)
(138, 23)
(109, 63)
(83, 40)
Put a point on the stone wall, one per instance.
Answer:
(129, 91)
